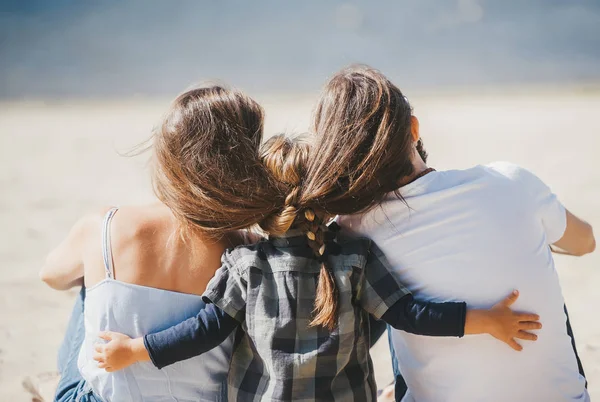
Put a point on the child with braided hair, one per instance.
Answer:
(300, 303)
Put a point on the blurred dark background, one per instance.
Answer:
(68, 48)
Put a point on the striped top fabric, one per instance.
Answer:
(270, 288)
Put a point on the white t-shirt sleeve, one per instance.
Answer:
(548, 208)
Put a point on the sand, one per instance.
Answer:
(61, 159)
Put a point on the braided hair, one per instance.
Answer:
(364, 146)
(285, 158)
(320, 240)
(207, 168)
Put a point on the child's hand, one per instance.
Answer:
(120, 352)
(503, 323)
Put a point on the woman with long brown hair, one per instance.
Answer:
(302, 300)
(143, 268)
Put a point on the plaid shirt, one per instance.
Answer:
(270, 288)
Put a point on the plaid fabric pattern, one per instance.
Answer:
(270, 288)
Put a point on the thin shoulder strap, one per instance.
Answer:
(106, 246)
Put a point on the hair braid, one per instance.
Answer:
(285, 159)
(326, 301)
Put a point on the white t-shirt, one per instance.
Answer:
(475, 235)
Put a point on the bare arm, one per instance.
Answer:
(578, 238)
(63, 268)
(565, 233)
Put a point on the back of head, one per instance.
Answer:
(285, 158)
(209, 172)
(364, 143)
(207, 166)
(363, 149)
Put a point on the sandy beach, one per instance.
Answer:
(61, 159)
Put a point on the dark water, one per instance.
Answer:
(153, 47)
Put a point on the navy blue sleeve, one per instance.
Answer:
(427, 318)
(190, 338)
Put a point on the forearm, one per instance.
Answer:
(558, 250)
(477, 322)
(139, 351)
(58, 283)
(190, 338)
(578, 238)
(426, 318)
(62, 273)
(63, 268)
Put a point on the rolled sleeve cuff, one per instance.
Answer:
(214, 297)
(385, 305)
(153, 349)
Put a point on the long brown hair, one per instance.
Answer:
(364, 143)
(363, 148)
(207, 167)
(210, 173)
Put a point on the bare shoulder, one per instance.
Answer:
(130, 229)
(88, 228)
(135, 225)
(149, 250)
(65, 265)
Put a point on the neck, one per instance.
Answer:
(418, 168)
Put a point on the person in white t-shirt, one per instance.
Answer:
(471, 234)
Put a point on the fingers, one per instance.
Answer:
(515, 345)
(510, 299)
(99, 352)
(529, 325)
(106, 368)
(528, 336)
(527, 317)
(103, 364)
(106, 335)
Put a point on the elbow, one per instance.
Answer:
(48, 275)
(588, 244)
(49, 279)
(591, 246)
(584, 249)
(45, 275)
